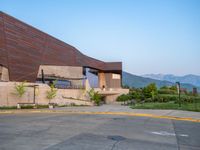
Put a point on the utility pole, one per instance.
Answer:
(178, 85)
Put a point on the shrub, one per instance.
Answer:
(190, 99)
(27, 107)
(42, 106)
(124, 98)
(95, 96)
(135, 95)
(166, 98)
(166, 91)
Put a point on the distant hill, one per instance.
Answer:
(139, 81)
(189, 79)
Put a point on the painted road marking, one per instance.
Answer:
(101, 113)
(165, 133)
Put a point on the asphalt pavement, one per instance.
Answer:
(115, 109)
(61, 131)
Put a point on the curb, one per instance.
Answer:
(101, 113)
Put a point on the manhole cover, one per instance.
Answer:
(116, 138)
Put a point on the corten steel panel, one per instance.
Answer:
(3, 52)
(23, 49)
(110, 82)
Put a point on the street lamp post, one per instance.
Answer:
(178, 85)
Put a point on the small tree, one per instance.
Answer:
(52, 92)
(95, 96)
(20, 88)
(150, 91)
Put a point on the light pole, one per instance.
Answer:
(178, 85)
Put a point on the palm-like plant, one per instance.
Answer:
(20, 89)
(52, 92)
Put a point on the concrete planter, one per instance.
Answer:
(51, 105)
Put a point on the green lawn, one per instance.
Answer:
(168, 105)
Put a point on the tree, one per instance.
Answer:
(150, 91)
(20, 88)
(52, 92)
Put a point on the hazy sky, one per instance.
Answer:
(148, 36)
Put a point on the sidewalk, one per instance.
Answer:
(127, 109)
(116, 110)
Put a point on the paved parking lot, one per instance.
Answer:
(49, 131)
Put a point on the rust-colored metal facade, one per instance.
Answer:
(24, 48)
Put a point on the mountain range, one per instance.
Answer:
(160, 80)
(190, 79)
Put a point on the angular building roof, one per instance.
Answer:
(24, 48)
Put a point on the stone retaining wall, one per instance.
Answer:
(8, 96)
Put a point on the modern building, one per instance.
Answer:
(28, 54)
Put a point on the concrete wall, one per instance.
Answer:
(62, 71)
(70, 72)
(8, 95)
(110, 99)
(110, 95)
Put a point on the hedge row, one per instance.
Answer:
(159, 98)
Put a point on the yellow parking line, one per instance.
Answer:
(140, 115)
(102, 113)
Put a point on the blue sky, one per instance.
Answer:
(148, 36)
